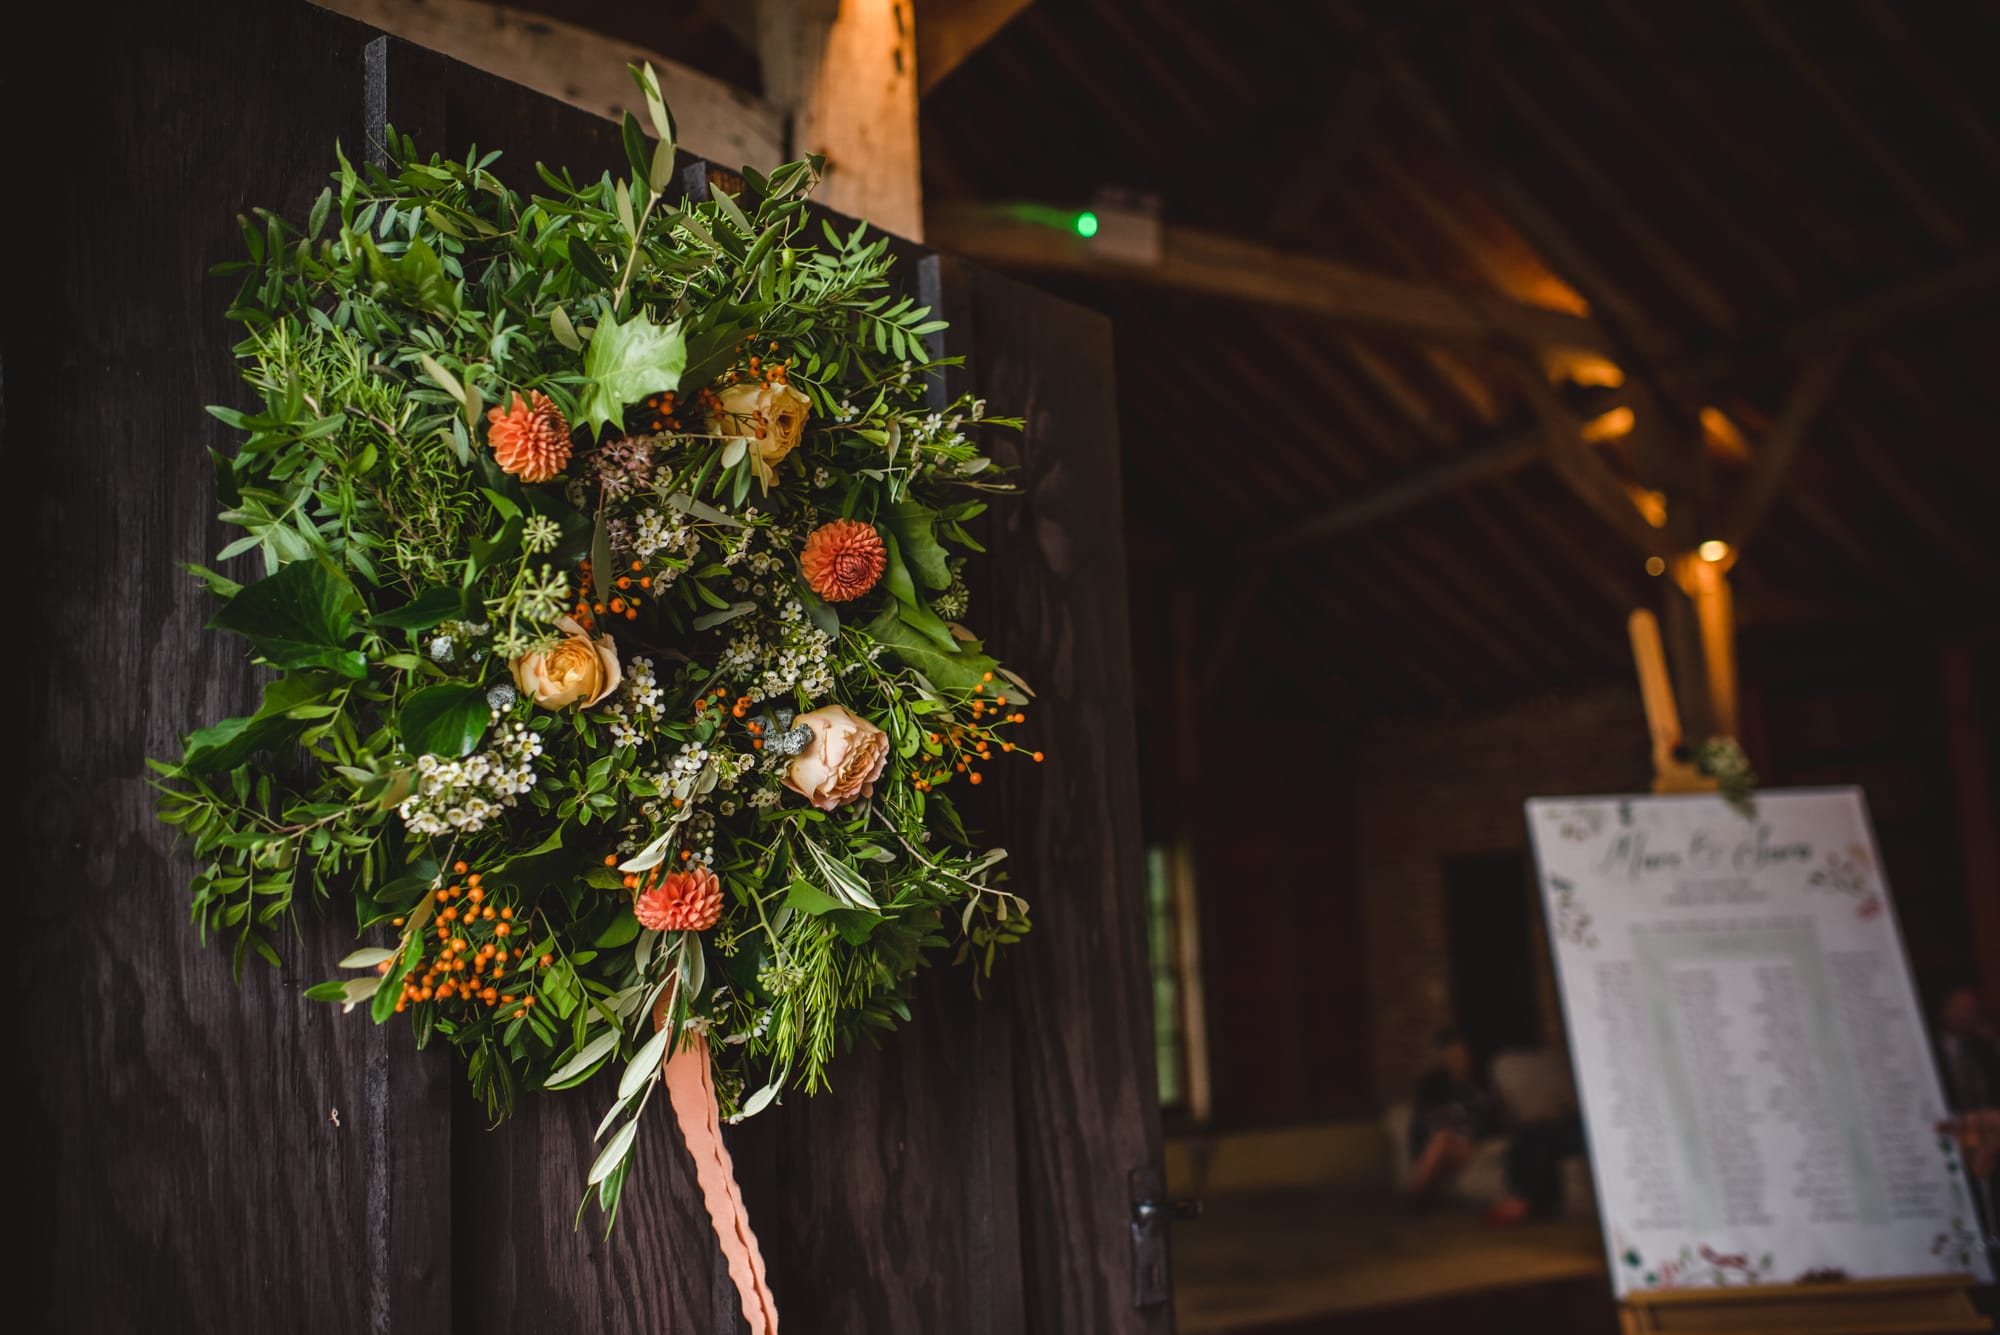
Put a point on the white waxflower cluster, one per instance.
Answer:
(778, 660)
(463, 795)
(638, 705)
(663, 530)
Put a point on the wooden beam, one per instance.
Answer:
(1221, 266)
(1891, 477)
(1865, 316)
(1941, 222)
(1609, 301)
(1600, 81)
(1942, 90)
(1553, 137)
(1505, 454)
(1773, 461)
(845, 73)
(585, 69)
(949, 31)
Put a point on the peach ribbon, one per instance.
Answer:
(691, 1087)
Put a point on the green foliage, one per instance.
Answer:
(393, 762)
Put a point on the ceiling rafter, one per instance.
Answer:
(1941, 222)
(1195, 260)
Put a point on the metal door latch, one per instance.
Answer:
(1151, 1213)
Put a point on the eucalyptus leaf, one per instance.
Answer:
(614, 1152)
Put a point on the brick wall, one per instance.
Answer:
(1429, 792)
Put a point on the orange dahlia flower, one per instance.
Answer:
(842, 560)
(530, 439)
(681, 901)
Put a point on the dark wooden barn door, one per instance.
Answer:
(203, 1156)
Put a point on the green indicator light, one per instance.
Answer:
(1086, 224)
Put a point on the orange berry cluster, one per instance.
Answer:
(624, 603)
(659, 414)
(965, 745)
(471, 955)
(760, 369)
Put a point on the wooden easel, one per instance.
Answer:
(1931, 1305)
(1663, 717)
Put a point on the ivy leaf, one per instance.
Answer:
(229, 743)
(299, 617)
(445, 720)
(915, 527)
(425, 610)
(626, 362)
(958, 672)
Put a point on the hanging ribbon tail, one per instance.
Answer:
(691, 1087)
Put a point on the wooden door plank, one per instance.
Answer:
(206, 1156)
(1085, 1089)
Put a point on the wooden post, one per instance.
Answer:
(1663, 720)
(1706, 583)
(845, 71)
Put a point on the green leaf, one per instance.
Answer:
(584, 260)
(231, 742)
(958, 672)
(627, 362)
(298, 618)
(915, 527)
(896, 575)
(565, 332)
(646, 1065)
(809, 898)
(614, 1152)
(709, 620)
(425, 610)
(855, 926)
(622, 929)
(367, 957)
(442, 378)
(824, 616)
(444, 720)
(584, 1064)
(225, 479)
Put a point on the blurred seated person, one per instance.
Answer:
(1452, 1113)
(1968, 1052)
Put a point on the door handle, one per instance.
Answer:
(1151, 1213)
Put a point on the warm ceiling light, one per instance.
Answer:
(1655, 566)
(1722, 436)
(1652, 505)
(1610, 426)
(1584, 368)
(1715, 549)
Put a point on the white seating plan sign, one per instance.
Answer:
(1757, 1084)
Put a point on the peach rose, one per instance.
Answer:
(771, 416)
(580, 670)
(841, 762)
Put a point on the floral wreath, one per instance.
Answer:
(612, 572)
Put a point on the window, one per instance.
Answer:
(1180, 1037)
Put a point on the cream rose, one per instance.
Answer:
(772, 417)
(841, 762)
(580, 670)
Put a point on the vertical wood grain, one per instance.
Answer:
(1086, 1097)
(203, 1155)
